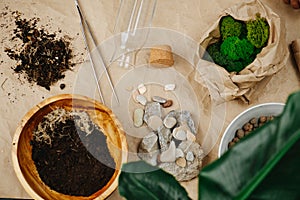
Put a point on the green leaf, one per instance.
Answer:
(264, 165)
(139, 180)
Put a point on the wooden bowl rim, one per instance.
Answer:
(33, 111)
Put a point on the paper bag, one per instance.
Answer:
(269, 61)
(295, 46)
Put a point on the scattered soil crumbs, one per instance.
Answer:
(71, 154)
(43, 57)
(62, 86)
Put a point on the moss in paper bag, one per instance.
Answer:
(258, 31)
(230, 27)
(213, 51)
(239, 43)
(214, 54)
(237, 49)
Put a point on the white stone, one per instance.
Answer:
(185, 145)
(185, 117)
(190, 156)
(181, 162)
(170, 122)
(164, 137)
(192, 169)
(154, 122)
(150, 158)
(152, 108)
(169, 154)
(135, 93)
(141, 99)
(159, 99)
(190, 136)
(149, 143)
(170, 87)
(142, 89)
(179, 153)
(179, 133)
(138, 116)
(148, 149)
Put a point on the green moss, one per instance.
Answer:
(239, 44)
(214, 54)
(237, 49)
(237, 66)
(230, 27)
(258, 31)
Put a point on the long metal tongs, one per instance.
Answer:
(84, 23)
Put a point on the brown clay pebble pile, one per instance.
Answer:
(42, 56)
(71, 154)
(250, 126)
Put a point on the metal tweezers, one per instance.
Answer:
(83, 23)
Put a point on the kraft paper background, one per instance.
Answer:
(192, 19)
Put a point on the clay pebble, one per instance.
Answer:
(167, 104)
(181, 162)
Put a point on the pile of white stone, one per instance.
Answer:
(171, 142)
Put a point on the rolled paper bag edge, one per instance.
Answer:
(295, 46)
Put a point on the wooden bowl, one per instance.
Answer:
(22, 151)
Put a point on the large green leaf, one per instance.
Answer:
(139, 180)
(264, 165)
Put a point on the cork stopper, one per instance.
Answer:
(161, 56)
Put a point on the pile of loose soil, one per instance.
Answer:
(71, 154)
(43, 57)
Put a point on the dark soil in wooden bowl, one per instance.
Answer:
(72, 161)
(69, 147)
